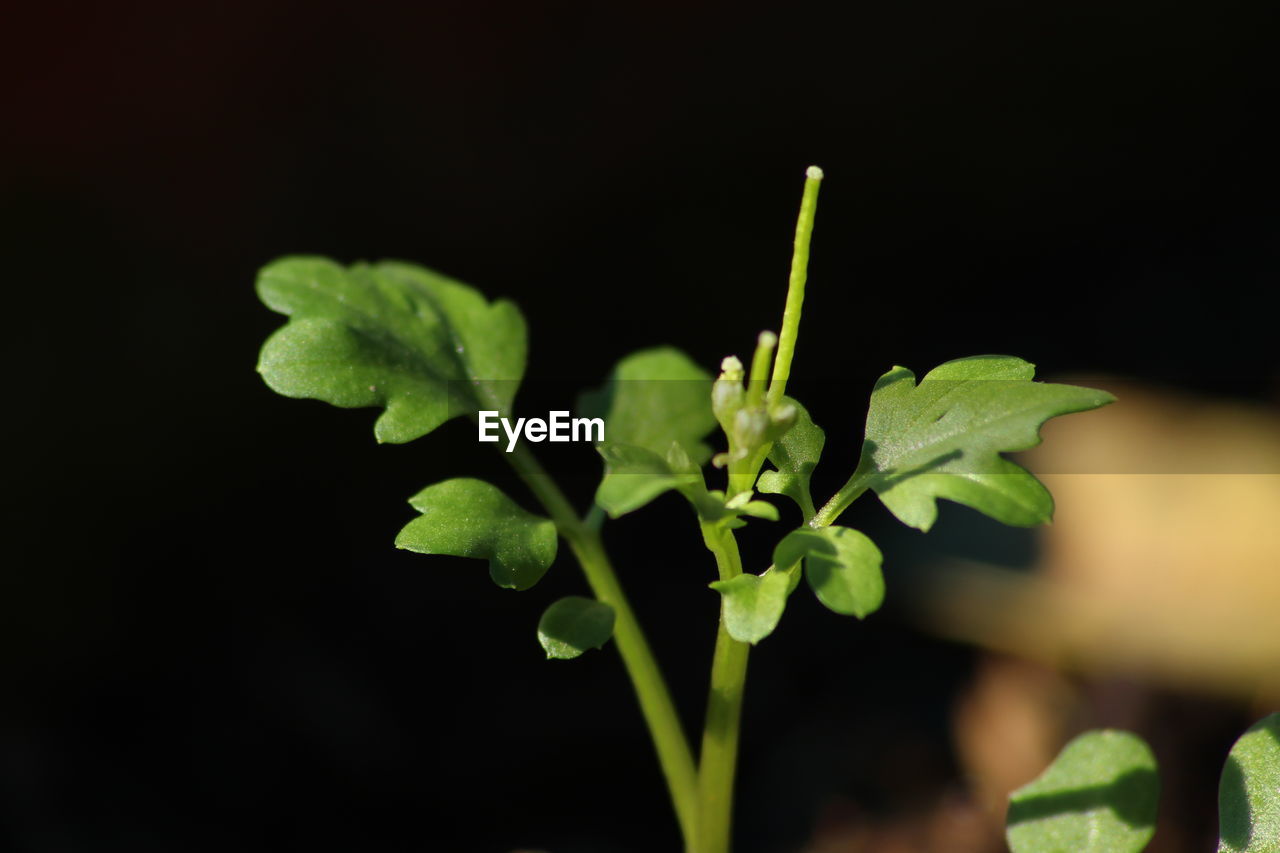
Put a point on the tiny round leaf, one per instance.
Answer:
(574, 624)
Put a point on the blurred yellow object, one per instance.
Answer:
(1163, 561)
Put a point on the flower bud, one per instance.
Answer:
(731, 368)
(750, 430)
(727, 393)
(679, 459)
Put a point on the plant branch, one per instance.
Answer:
(849, 492)
(674, 754)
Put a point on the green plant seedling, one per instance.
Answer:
(424, 348)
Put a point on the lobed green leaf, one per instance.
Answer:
(795, 455)
(1099, 796)
(1249, 792)
(465, 517)
(574, 624)
(942, 438)
(422, 346)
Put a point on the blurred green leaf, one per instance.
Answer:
(1099, 796)
(1249, 792)
(634, 476)
(470, 518)
(654, 399)
(795, 455)
(422, 346)
(943, 438)
(574, 624)
(841, 564)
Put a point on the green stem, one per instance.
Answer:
(849, 492)
(674, 754)
(840, 501)
(795, 288)
(719, 759)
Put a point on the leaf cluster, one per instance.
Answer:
(425, 348)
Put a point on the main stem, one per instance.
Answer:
(720, 735)
(674, 754)
(719, 759)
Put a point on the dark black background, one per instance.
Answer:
(208, 642)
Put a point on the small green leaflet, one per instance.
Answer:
(465, 517)
(391, 334)
(742, 504)
(943, 438)
(1249, 792)
(841, 564)
(753, 604)
(574, 624)
(1099, 796)
(795, 455)
(654, 399)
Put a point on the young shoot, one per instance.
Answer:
(423, 348)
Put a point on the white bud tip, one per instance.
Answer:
(813, 173)
(730, 364)
(768, 340)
